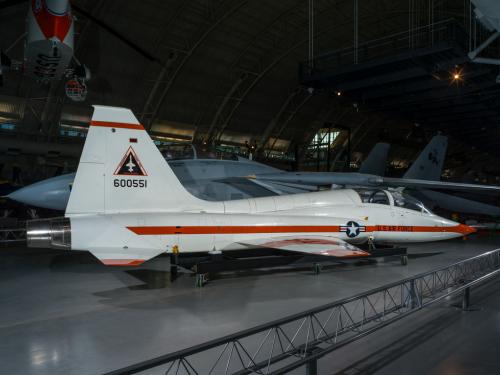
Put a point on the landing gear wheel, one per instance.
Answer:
(317, 268)
(201, 280)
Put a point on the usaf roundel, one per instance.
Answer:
(352, 229)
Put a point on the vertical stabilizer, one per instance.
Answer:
(376, 161)
(429, 164)
(122, 170)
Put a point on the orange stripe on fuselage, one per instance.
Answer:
(120, 125)
(234, 229)
(169, 230)
(461, 228)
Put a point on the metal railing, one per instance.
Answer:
(299, 340)
(12, 236)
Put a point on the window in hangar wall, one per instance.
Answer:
(324, 138)
(72, 131)
(319, 148)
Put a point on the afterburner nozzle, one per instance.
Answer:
(49, 233)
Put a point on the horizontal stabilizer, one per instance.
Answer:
(113, 244)
(309, 245)
(128, 257)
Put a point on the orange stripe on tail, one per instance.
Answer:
(120, 125)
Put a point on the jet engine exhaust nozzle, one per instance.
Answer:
(49, 233)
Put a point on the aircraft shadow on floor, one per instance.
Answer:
(152, 279)
(157, 279)
(83, 262)
(77, 262)
(305, 266)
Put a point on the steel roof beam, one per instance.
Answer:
(184, 59)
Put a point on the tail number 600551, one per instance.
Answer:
(130, 183)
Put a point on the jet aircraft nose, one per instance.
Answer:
(465, 229)
(23, 195)
(457, 229)
(52, 193)
(448, 229)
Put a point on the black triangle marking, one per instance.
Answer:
(130, 165)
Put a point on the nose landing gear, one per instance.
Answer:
(404, 260)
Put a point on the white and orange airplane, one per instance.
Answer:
(118, 209)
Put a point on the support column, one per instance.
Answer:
(174, 262)
(466, 299)
(312, 367)
(413, 295)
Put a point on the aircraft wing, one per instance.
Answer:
(270, 187)
(440, 185)
(368, 180)
(309, 245)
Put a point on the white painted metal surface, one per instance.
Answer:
(120, 212)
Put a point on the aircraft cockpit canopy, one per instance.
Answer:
(394, 198)
(405, 200)
(375, 196)
(186, 151)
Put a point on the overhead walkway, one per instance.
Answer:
(423, 75)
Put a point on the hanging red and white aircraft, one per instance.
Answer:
(120, 210)
(49, 41)
(49, 47)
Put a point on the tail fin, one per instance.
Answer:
(376, 161)
(429, 164)
(122, 170)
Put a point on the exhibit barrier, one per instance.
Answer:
(12, 236)
(300, 340)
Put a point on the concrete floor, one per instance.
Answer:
(65, 313)
(441, 339)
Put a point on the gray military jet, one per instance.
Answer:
(203, 174)
(216, 179)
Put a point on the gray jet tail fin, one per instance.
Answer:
(376, 160)
(429, 164)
